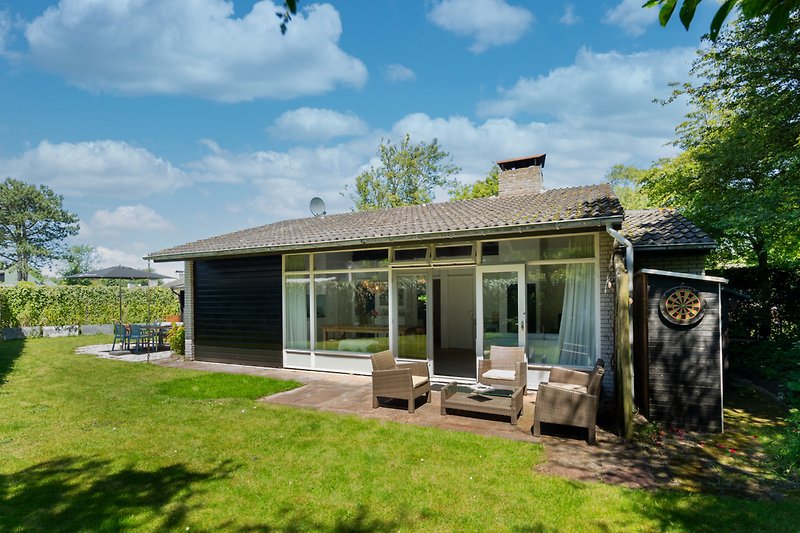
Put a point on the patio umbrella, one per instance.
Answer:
(119, 272)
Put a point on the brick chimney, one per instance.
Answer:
(521, 176)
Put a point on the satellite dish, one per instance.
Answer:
(317, 207)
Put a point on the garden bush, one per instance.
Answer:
(176, 337)
(62, 305)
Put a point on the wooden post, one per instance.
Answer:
(623, 369)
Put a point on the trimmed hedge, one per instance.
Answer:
(63, 305)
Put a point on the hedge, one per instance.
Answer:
(63, 305)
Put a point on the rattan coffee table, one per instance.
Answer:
(498, 401)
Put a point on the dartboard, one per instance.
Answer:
(682, 305)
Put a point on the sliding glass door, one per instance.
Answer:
(500, 293)
(413, 331)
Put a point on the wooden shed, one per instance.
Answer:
(679, 349)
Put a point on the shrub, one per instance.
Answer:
(33, 305)
(176, 337)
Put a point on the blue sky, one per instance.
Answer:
(166, 122)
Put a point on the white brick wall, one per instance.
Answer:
(188, 307)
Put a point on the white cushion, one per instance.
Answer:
(418, 380)
(496, 373)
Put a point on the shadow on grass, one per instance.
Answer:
(358, 521)
(10, 350)
(75, 494)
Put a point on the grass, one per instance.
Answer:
(99, 445)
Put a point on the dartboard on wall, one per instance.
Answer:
(682, 305)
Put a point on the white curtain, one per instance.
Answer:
(576, 334)
(297, 333)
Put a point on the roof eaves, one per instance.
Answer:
(453, 234)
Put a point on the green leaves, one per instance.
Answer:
(778, 11)
(33, 225)
(407, 175)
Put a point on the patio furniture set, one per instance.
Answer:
(142, 336)
(570, 397)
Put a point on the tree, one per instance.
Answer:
(778, 11)
(79, 258)
(488, 186)
(33, 225)
(407, 175)
(626, 180)
(739, 173)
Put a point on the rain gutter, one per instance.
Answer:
(507, 230)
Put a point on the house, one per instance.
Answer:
(10, 277)
(439, 282)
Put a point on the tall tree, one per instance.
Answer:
(33, 225)
(626, 180)
(489, 186)
(407, 175)
(78, 259)
(739, 173)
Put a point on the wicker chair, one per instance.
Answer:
(506, 366)
(406, 381)
(569, 398)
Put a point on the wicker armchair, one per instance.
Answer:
(406, 381)
(570, 398)
(506, 366)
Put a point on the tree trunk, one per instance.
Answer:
(764, 292)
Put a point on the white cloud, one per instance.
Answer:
(109, 168)
(488, 22)
(284, 182)
(569, 18)
(602, 92)
(193, 47)
(312, 124)
(576, 156)
(631, 16)
(126, 220)
(397, 73)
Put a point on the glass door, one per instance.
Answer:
(412, 297)
(500, 291)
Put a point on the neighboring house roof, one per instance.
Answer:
(573, 207)
(662, 229)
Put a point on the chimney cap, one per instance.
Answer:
(522, 162)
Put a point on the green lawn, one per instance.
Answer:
(101, 445)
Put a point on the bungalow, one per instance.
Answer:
(440, 282)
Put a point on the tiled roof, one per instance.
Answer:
(565, 207)
(663, 228)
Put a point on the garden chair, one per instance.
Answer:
(570, 397)
(506, 366)
(120, 334)
(143, 337)
(406, 381)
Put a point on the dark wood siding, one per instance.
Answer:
(237, 311)
(683, 362)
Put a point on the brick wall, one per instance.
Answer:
(607, 299)
(188, 307)
(686, 262)
(526, 180)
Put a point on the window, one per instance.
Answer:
(561, 314)
(537, 249)
(297, 297)
(351, 260)
(297, 263)
(352, 312)
(451, 253)
(415, 255)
